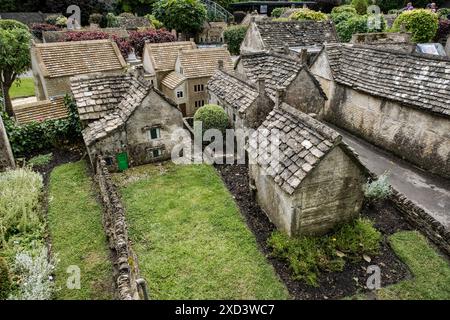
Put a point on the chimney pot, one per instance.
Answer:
(303, 55)
(220, 63)
(261, 85)
(279, 96)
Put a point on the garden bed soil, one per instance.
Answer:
(334, 285)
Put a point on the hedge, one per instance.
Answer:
(307, 14)
(233, 37)
(422, 23)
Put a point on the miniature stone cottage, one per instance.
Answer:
(137, 131)
(314, 183)
(296, 35)
(54, 63)
(301, 89)
(247, 105)
(395, 100)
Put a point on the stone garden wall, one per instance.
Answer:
(124, 262)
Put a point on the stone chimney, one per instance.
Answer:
(303, 56)
(261, 85)
(286, 49)
(279, 96)
(220, 63)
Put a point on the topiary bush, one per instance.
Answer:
(111, 20)
(343, 16)
(233, 37)
(212, 117)
(61, 22)
(277, 12)
(360, 6)
(344, 8)
(95, 18)
(423, 24)
(308, 14)
(359, 24)
(5, 280)
(53, 18)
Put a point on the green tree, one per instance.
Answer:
(360, 6)
(422, 23)
(14, 56)
(185, 16)
(233, 37)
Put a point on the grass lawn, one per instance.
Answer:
(75, 221)
(190, 238)
(431, 273)
(22, 88)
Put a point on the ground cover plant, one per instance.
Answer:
(190, 238)
(78, 239)
(309, 256)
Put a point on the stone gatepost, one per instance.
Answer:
(6, 155)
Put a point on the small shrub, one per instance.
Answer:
(359, 24)
(343, 16)
(35, 273)
(5, 280)
(422, 23)
(309, 256)
(20, 192)
(360, 6)
(277, 12)
(308, 14)
(61, 22)
(344, 8)
(95, 18)
(139, 38)
(155, 22)
(233, 37)
(8, 24)
(212, 117)
(378, 189)
(53, 19)
(40, 160)
(111, 20)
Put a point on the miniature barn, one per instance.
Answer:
(314, 184)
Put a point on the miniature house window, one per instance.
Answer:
(179, 94)
(199, 88)
(199, 103)
(156, 153)
(154, 133)
(234, 117)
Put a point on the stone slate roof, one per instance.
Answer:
(277, 70)
(277, 34)
(41, 111)
(173, 80)
(411, 79)
(61, 59)
(137, 90)
(236, 93)
(97, 94)
(198, 63)
(165, 54)
(304, 142)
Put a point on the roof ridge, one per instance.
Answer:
(248, 84)
(314, 124)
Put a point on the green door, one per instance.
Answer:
(122, 161)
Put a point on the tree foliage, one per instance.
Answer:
(422, 23)
(212, 117)
(185, 16)
(233, 37)
(308, 14)
(14, 55)
(360, 6)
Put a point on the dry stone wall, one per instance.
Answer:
(124, 262)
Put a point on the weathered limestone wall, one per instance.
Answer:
(304, 95)
(330, 195)
(419, 137)
(193, 96)
(114, 223)
(6, 155)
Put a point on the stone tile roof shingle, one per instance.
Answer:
(173, 80)
(198, 63)
(41, 111)
(137, 90)
(277, 34)
(277, 70)
(411, 79)
(97, 94)
(236, 93)
(303, 142)
(165, 54)
(61, 59)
